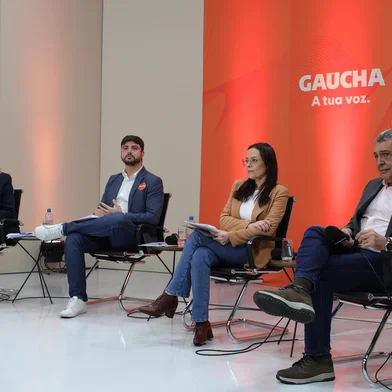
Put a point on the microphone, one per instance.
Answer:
(172, 239)
(335, 236)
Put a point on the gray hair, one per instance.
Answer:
(384, 136)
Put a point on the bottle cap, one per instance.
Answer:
(48, 210)
(191, 217)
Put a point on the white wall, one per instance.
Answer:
(50, 102)
(152, 87)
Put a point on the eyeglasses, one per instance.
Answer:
(252, 161)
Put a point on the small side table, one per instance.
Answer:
(170, 248)
(37, 260)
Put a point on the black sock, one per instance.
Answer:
(305, 283)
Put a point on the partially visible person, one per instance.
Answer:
(323, 269)
(131, 197)
(255, 206)
(7, 200)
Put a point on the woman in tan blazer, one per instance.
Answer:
(255, 206)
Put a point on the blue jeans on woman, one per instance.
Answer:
(193, 270)
(112, 231)
(332, 269)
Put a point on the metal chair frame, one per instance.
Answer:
(145, 234)
(367, 301)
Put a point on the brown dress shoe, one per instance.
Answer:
(165, 304)
(203, 332)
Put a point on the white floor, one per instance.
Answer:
(104, 350)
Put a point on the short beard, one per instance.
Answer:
(134, 162)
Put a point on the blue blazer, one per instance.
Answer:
(7, 200)
(145, 199)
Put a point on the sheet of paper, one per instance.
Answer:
(87, 217)
(12, 236)
(161, 244)
(202, 226)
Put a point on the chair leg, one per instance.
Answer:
(371, 348)
(284, 329)
(294, 335)
(288, 276)
(369, 353)
(187, 310)
(294, 338)
(124, 287)
(232, 321)
(164, 264)
(337, 308)
(92, 268)
(120, 297)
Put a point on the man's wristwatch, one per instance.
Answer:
(388, 245)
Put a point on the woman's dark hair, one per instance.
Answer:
(246, 190)
(133, 138)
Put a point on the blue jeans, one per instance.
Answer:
(193, 270)
(332, 269)
(114, 231)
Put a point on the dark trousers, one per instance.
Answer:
(332, 269)
(113, 231)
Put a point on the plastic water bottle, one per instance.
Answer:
(188, 231)
(48, 217)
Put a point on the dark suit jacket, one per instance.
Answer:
(145, 199)
(7, 200)
(370, 192)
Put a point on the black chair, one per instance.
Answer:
(4, 242)
(145, 234)
(375, 301)
(15, 223)
(244, 277)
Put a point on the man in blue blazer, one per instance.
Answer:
(131, 197)
(7, 201)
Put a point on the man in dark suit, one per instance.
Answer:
(131, 197)
(7, 200)
(323, 268)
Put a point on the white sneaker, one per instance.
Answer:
(74, 307)
(50, 232)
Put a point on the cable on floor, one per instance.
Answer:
(218, 353)
(379, 369)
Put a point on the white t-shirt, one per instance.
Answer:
(247, 207)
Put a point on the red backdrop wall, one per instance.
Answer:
(255, 54)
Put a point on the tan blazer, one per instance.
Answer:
(238, 229)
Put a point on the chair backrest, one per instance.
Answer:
(162, 218)
(18, 198)
(281, 231)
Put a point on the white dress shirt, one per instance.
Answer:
(125, 189)
(378, 213)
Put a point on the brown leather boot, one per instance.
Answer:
(165, 304)
(203, 332)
